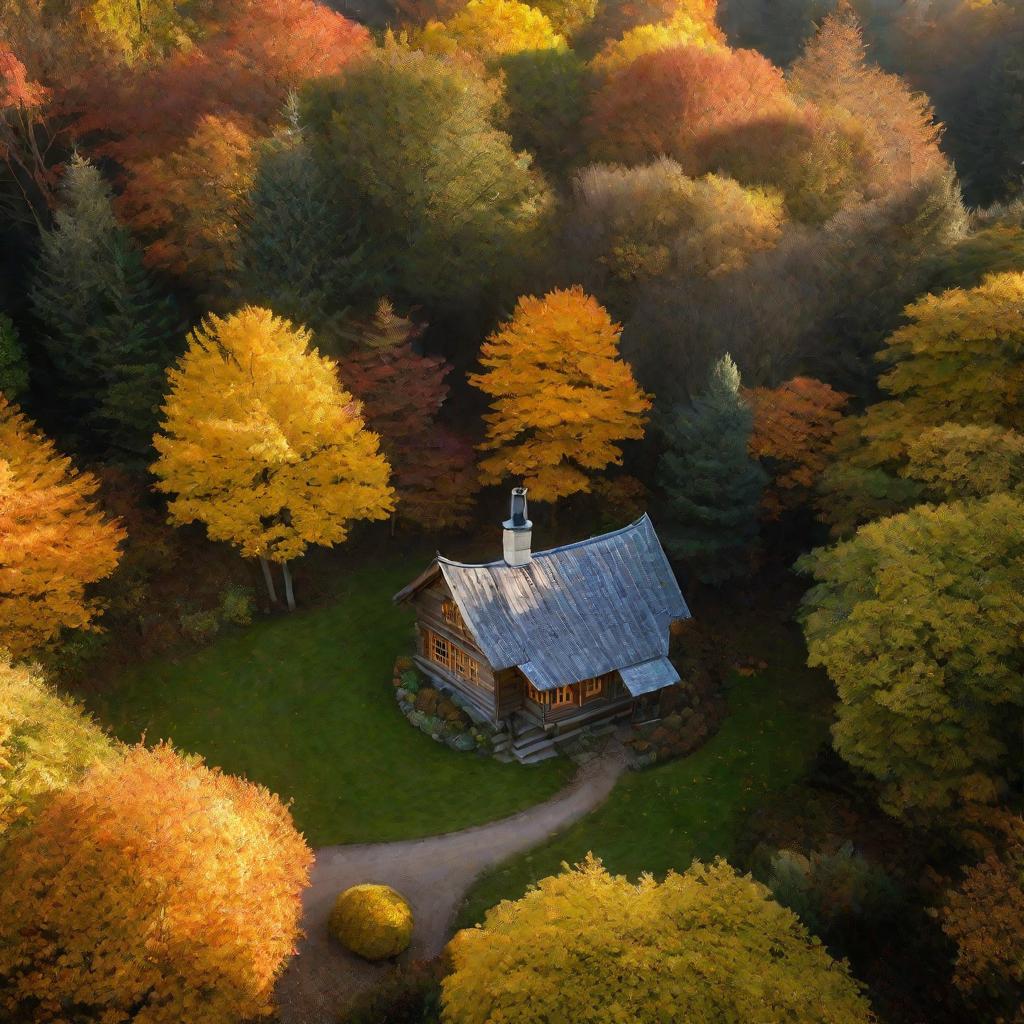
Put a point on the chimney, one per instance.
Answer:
(518, 530)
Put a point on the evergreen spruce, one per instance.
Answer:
(13, 368)
(712, 484)
(295, 257)
(108, 333)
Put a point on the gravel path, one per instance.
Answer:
(433, 874)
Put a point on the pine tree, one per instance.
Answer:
(293, 463)
(108, 333)
(13, 369)
(295, 255)
(712, 484)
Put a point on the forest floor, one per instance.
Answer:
(433, 875)
(303, 704)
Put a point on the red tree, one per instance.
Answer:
(402, 393)
(665, 103)
(243, 71)
(24, 137)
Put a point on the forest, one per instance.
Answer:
(293, 292)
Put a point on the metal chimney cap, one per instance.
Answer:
(518, 511)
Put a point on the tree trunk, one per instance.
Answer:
(394, 523)
(268, 579)
(288, 592)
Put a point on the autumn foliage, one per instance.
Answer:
(188, 204)
(402, 393)
(984, 916)
(900, 131)
(685, 27)
(241, 71)
(666, 103)
(489, 29)
(916, 620)
(705, 945)
(562, 398)
(294, 465)
(793, 429)
(47, 743)
(54, 542)
(158, 889)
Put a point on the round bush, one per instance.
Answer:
(373, 921)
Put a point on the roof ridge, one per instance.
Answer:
(549, 551)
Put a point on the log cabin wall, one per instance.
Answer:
(448, 651)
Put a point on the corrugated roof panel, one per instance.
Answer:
(649, 676)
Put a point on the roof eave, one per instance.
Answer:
(426, 577)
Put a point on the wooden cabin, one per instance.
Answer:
(544, 642)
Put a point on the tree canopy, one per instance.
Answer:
(707, 944)
(712, 484)
(155, 889)
(47, 743)
(54, 541)
(562, 398)
(295, 464)
(916, 620)
(454, 209)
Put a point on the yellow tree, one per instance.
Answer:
(262, 444)
(490, 29)
(685, 27)
(156, 890)
(706, 945)
(54, 541)
(562, 398)
(46, 743)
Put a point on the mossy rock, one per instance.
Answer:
(372, 921)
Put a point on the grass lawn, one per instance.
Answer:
(664, 817)
(303, 704)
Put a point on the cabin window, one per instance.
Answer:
(563, 695)
(448, 655)
(559, 697)
(451, 614)
(598, 686)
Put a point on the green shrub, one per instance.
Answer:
(830, 891)
(199, 627)
(372, 921)
(412, 680)
(237, 605)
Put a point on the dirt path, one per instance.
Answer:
(433, 874)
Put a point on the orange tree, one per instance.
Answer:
(900, 132)
(54, 542)
(158, 890)
(984, 916)
(706, 945)
(293, 465)
(562, 398)
(793, 428)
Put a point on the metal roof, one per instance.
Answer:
(574, 612)
(649, 676)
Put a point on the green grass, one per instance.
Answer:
(303, 704)
(695, 807)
